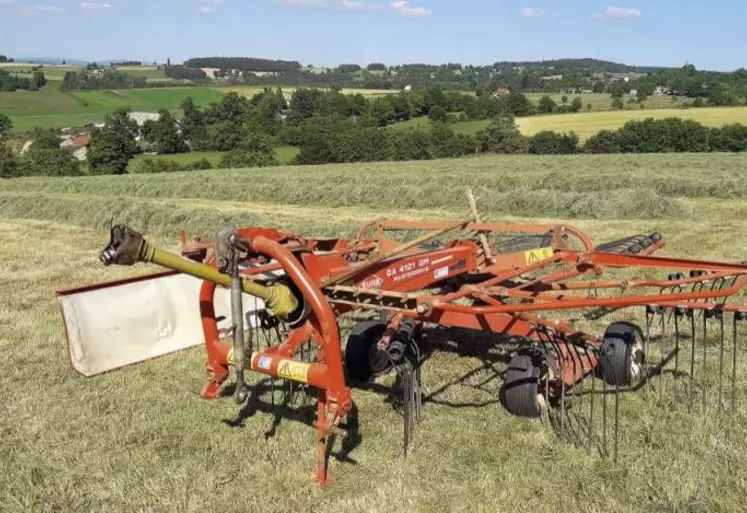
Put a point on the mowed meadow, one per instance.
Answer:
(586, 124)
(141, 439)
(52, 108)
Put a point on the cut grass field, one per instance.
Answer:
(586, 124)
(284, 154)
(140, 439)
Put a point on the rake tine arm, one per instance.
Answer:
(655, 262)
(585, 303)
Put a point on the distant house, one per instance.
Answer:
(408, 88)
(141, 117)
(633, 92)
(77, 145)
(501, 91)
(661, 91)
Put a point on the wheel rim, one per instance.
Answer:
(541, 404)
(378, 360)
(637, 359)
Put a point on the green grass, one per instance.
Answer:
(50, 107)
(147, 99)
(149, 72)
(140, 439)
(284, 154)
(417, 122)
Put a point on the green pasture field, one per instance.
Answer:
(141, 439)
(149, 72)
(284, 154)
(603, 102)
(51, 107)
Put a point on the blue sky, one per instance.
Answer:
(330, 32)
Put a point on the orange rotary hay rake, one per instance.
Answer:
(518, 280)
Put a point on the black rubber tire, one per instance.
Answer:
(520, 393)
(358, 361)
(621, 354)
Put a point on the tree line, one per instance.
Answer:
(101, 79)
(242, 63)
(178, 72)
(331, 127)
(571, 76)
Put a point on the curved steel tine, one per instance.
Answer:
(578, 393)
(604, 412)
(592, 400)
(691, 314)
(678, 313)
(720, 315)
(650, 313)
(562, 394)
(706, 315)
(739, 317)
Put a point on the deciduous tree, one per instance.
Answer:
(112, 146)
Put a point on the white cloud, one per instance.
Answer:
(613, 12)
(397, 7)
(95, 5)
(531, 12)
(207, 9)
(314, 3)
(42, 7)
(403, 8)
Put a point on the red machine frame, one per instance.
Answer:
(505, 292)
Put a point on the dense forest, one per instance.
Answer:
(242, 63)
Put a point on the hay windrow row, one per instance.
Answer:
(436, 183)
(149, 217)
(167, 216)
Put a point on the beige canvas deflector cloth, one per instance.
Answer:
(119, 323)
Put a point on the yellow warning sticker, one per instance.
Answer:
(293, 370)
(535, 255)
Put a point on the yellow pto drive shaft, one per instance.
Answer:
(127, 247)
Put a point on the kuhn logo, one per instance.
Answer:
(371, 283)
